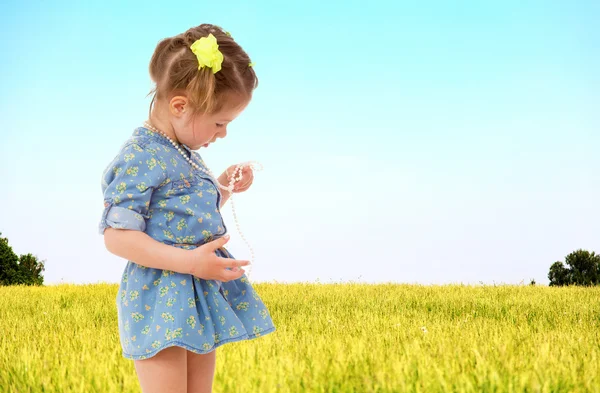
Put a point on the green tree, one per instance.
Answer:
(26, 269)
(559, 274)
(30, 269)
(9, 262)
(582, 268)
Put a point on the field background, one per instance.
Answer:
(330, 338)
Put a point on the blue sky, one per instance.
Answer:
(402, 141)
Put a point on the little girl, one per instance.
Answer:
(182, 294)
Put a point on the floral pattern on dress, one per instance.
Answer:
(150, 187)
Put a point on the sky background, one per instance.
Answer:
(408, 142)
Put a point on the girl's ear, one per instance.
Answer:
(177, 105)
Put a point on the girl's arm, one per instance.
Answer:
(138, 247)
(201, 262)
(224, 179)
(128, 185)
(224, 197)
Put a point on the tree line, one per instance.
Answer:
(580, 267)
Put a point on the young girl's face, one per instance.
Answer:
(205, 129)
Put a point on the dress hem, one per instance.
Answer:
(191, 348)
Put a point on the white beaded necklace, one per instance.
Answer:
(252, 164)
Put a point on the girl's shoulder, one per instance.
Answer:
(141, 155)
(145, 144)
(143, 140)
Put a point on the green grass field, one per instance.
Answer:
(330, 338)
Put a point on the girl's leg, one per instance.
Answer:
(165, 372)
(201, 371)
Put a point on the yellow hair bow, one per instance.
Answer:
(207, 51)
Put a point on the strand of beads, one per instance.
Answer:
(229, 188)
(255, 167)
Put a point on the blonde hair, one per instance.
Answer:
(174, 70)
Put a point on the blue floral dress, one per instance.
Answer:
(150, 187)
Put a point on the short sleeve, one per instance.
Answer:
(128, 183)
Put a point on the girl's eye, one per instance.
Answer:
(220, 125)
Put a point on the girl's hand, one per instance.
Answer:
(205, 264)
(239, 186)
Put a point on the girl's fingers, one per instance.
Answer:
(216, 244)
(243, 186)
(233, 263)
(229, 275)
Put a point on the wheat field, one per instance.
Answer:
(347, 337)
